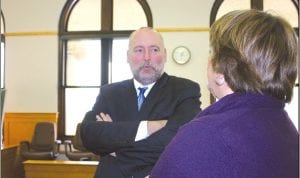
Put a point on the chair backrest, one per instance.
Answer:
(77, 142)
(43, 137)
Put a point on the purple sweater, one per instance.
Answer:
(243, 135)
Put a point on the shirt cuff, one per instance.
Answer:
(142, 131)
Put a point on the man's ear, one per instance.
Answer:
(220, 79)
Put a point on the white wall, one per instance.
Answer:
(31, 74)
(186, 14)
(32, 61)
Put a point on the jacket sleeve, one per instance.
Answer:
(186, 107)
(106, 137)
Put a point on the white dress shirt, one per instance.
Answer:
(142, 131)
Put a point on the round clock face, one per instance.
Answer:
(181, 55)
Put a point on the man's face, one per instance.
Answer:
(146, 56)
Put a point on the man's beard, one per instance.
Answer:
(147, 77)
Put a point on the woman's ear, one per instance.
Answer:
(220, 79)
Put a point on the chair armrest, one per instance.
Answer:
(57, 146)
(68, 142)
(24, 146)
(58, 142)
(68, 145)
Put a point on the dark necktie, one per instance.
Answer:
(141, 96)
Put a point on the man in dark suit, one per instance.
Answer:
(128, 139)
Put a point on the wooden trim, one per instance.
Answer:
(36, 33)
(185, 29)
(20, 126)
(53, 33)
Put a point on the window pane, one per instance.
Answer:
(120, 67)
(83, 63)
(284, 8)
(230, 5)
(86, 16)
(128, 15)
(78, 102)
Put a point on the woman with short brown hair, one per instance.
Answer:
(247, 133)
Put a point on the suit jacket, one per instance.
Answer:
(171, 98)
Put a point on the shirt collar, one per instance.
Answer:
(138, 84)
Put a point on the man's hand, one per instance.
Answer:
(103, 117)
(154, 126)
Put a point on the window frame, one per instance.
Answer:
(106, 34)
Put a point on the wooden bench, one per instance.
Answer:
(59, 169)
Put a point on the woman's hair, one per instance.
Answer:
(256, 52)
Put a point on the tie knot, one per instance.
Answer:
(142, 90)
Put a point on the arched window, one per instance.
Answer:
(2, 61)
(288, 9)
(93, 37)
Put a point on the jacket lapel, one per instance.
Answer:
(152, 98)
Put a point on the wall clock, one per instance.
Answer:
(181, 54)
